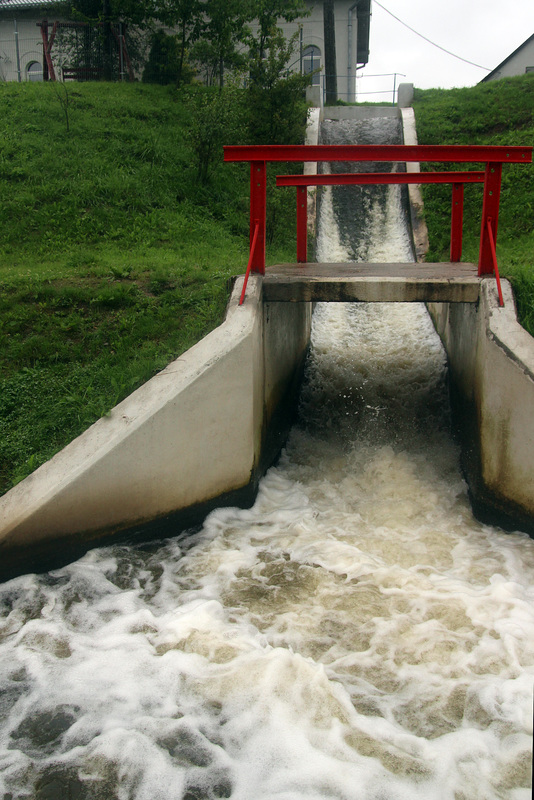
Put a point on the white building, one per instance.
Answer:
(352, 22)
(22, 45)
(519, 62)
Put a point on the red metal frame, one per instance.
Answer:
(492, 156)
(347, 178)
(258, 201)
(490, 214)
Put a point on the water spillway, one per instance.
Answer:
(357, 634)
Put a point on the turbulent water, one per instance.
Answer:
(356, 635)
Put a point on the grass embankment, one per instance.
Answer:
(114, 258)
(495, 113)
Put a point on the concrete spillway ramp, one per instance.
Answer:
(199, 434)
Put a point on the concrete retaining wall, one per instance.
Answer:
(198, 434)
(491, 361)
(491, 369)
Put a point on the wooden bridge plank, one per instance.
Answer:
(364, 282)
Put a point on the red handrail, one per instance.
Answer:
(453, 153)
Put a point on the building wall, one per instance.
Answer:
(518, 63)
(346, 42)
(30, 47)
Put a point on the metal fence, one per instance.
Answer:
(64, 51)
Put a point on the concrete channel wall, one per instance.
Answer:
(491, 373)
(198, 435)
(491, 368)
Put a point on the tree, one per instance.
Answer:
(86, 50)
(224, 29)
(216, 119)
(266, 14)
(186, 16)
(96, 12)
(276, 97)
(163, 60)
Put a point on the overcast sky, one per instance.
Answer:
(482, 31)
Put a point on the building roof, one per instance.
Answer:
(22, 5)
(493, 73)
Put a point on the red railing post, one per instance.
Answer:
(258, 183)
(490, 212)
(302, 224)
(457, 220)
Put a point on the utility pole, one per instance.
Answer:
(330, 65)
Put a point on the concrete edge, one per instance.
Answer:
(310, 168)
(130, 415)
(417, 214)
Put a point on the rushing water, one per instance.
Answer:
(356, 635)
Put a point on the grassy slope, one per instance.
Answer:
(113, 260)
(502, 113)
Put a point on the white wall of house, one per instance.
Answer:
(312, 28)
(518, 63)
(29, 64)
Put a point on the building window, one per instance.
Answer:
(311, 61)
(34, 71)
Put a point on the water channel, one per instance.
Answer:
(356, 635)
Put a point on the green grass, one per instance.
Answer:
(495, 113)
(114, 259)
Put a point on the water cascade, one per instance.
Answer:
(356, 635)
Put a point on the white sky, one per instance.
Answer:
(482, 31)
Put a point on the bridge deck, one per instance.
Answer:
(361, 282)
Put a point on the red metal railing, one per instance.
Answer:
(492, 156)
